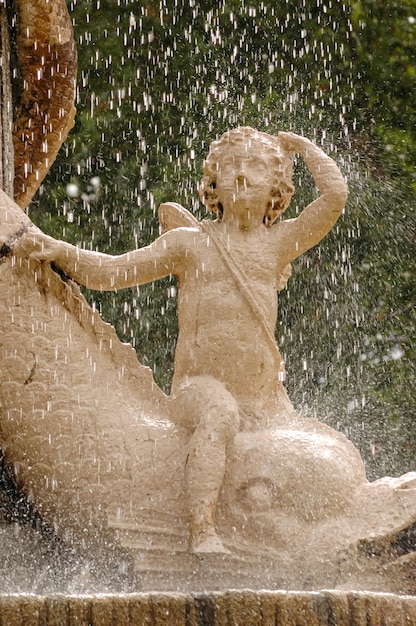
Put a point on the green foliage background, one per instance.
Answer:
(158, 81)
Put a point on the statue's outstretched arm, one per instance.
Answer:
(317, 219)
(106, 272)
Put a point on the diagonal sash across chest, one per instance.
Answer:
(172, 215)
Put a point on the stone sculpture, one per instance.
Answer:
(44, 111)
(223, 479)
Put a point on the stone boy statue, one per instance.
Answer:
(228, 371)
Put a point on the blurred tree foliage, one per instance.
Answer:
(386, 78)
(158, 81)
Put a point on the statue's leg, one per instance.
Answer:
(204, 405)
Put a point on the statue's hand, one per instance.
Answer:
(291, 142)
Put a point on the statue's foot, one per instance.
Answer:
(208, 543)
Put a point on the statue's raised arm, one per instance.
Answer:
(317, 219)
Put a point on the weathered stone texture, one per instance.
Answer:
(6, 121)
(243, 608)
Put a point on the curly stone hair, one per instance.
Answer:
(282, 186)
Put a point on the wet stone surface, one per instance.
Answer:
(208, 609)
(31, 562)
(26, 563)
(34, 560)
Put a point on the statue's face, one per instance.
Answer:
(244, 184)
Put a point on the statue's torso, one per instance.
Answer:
(221, 334)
